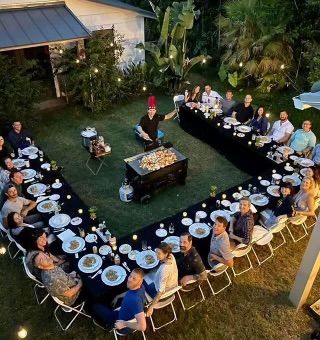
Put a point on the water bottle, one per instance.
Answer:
(19, 152)
(117, 259)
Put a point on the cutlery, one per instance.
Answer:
(124, 264)
(96, 274)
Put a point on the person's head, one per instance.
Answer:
(12, 192)
(229, 95)
(306, 125)
(17, 126)
(14, 219)
(286, 189)
(135, 279)
(43, 262)
(284, 116)
(196, 89)
(261, 112)
(163, 251)
(306, 184)
(220, 225)
(244, 205)
(248, 99)
(308, 172)
(1, 141)
(185, 242)
(16, 177)
(207, 88)
(152, 106)
(8, 163)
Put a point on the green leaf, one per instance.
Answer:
(222, 73)
(173, 52)
(165, 25)
(233, 79)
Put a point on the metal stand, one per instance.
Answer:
(100, 158)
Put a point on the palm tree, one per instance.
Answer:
(255, 41)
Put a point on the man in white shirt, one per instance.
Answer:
(209, 96)
(281, 129)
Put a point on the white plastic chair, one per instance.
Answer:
(297, 222)
(278, 229)
(166, 300)
(116, 333)
(12, 242)
(38, 284)
(261, 237)
(191, 286)
(178, 100)
(68, 309)
(214, 273)
(242, 250)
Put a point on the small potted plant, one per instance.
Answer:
(54, 165)
(213, 191)
(93, 212)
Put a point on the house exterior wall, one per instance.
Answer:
(97, 16)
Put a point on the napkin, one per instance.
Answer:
(28, 180)
(150, 277)
(66, 235)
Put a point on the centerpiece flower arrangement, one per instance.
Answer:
(213, 190)
(54, 165)
(93, 212)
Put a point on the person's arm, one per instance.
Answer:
(311, 144)
(143, 134)
(169, 115)
(28, 206)
(264, 126)
(310, 204)
(73, 291)
(140, 324)
(154, 301)
(220, 259)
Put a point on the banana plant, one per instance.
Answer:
(167, 58)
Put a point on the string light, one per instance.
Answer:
(77, 61)
(111, 45)
(96, 70)
(204, 61)
(240, 64)
(22, 333)
(2, 250)
(171, 56)
(144, 88)
(60, 51)
(282, 67)
(119, 79)
(140, 50)
(268, 115)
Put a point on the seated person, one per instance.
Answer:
(37, 242)
(3, 149)
(17, 228)
(17, 137)
(279, 208)
(166, 276)
(190, 265)
(4, 178)
(304, 200)
(132, 307)
(15, 178)
(260, 122)
(194, 96)
(23, 206)
(314, 173)
(243, 112)
(241, 225)
(8, 164)
(220, 251)
(315, 155)
(303, 140)
(228, 103)
(281, 129)
(209, 96)
(66, 287)
(148, 127)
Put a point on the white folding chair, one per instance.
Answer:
(242, 250)
(261, 237)
(68, 309)
(38, 284)
(166, 300)
(216, 272)
(12, 242)
(314, 218)
(116, 333)
(278, 229)
(297, 222)
(191, 286)
(3, 230)
(178, 100)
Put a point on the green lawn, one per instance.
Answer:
(255, 306)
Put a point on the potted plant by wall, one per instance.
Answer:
(213, 191)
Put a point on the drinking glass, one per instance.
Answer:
(171, 228)
(218, 203)
(144, 245)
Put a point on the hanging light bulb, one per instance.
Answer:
(240, 64)
(144, 88)
(96, 70)
(282, 67)
(22, 332)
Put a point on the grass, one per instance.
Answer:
(255, 306)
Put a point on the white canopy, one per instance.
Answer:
(306, 100)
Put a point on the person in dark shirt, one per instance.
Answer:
(280, 208)
(3, 149)
(132, 307)
(17, 137)
(189, 262)
(148, 127)
(260, 122)
(243, 112)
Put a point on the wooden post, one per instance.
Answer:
(308, 270)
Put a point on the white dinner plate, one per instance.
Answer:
(293, 179)
(59, 221)
(244, 128)
(201, 214)
(33, 156)
(240, 134)
(245, 193)
(76, 221)
(186, 221)
(174, 242)
(259, 200)
(45, 166)
(273, 190)
(29, 150)
(222, 213)
(147, 259)
(56, 185)
(19, 163)
(133, 254)
(105, 250)
(199, 230)
(226, 203)
(234, 207)
(46, 206)
(303, 171)
(236, 195)
(125, 248)
(161, 232)
(230, 120)
(55, 197)
(28, 173)
(284, 149)
(117, 275)
(264, 182)
(265, 139)
(92, 267)
(91, 238)
(305, 162)
(36, 189)
(288, 168)
(227, 126)
(73, 245)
